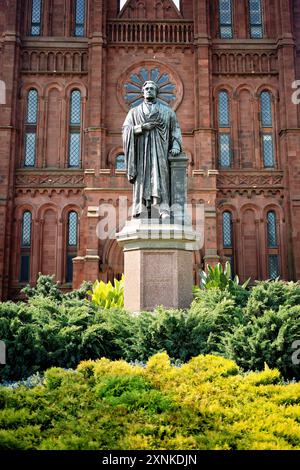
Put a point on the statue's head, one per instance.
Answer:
(150, 90)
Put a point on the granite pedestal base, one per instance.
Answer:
(158, 265)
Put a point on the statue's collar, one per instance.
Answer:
(150, 103)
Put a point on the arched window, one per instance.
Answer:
(272, 230)
(75, 130)
(266, 109)
(225, 19)
(31, 128)
(224, 115)
(79, 14)
(227, 230)
(225, 152)
(255, 19)
(268, 151)
(25, 247)
(120, 162)
(227, 235)
(36, 15)
(272, 245)
(72, 244)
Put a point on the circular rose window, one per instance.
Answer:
(131, 83)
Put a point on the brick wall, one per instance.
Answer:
(57, 62)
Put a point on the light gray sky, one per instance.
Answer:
(122, 3)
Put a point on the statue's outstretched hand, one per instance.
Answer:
(174, 152)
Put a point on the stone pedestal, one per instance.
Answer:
(158, 264)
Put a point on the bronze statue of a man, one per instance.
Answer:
(150, 133)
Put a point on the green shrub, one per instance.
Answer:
(252, 327)
(45, 287)
(271, 295)
(217, 313)
(268, 339)
(81, 293)
(45, 332)
(206, 404)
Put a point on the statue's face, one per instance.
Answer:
(150, 91)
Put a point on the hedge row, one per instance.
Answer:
(204, 404)
(250, 327)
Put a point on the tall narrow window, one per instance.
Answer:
(120, 162)
(25, 247)
(255, 19)
(272, 230)
(268, 151)
(36, 15)
(225, 153)
(224, 119)
(72, 244)
(79, 18)
(272, 244)
(227, 234)
(225, 19)
(31, 128)
(75, 130)
(266, 109)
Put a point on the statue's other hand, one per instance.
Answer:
(148, 126)
(174, 152)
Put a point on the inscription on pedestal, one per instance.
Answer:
(159, 270)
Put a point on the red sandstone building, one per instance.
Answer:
(70, 70)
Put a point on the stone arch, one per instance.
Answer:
(246, 128)
(112, 260)
(250, 249)
(267, 87)
(112, 155)
(244, 87)
(54, 120)
(68, 208)
(75, 86)
(53, 86)
(159, 10)
(49, 241)
(273, 207)
(31, 86)
(20, 209)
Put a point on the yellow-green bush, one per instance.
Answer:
(207, 403)
(108, 295)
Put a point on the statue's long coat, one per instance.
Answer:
(146, 154)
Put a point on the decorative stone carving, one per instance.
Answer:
(150, 32)
(54, 61)
(49, 180)
(238, 62)
(242, 180)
